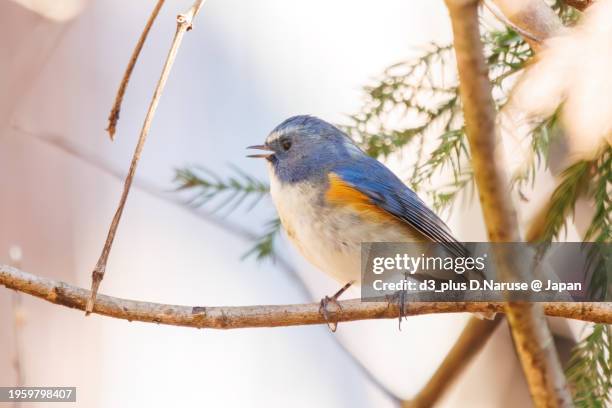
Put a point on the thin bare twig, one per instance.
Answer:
(15, 256)
(114, 114)
(532, 337)
(18, 321)
(183, 24)
(236, 317)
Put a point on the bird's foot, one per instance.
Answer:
(326, 301)
(399, 298)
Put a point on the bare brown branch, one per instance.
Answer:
(114, 114)
(236, 317)
(532, 337)
(183, 24)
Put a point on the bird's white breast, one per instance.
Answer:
(328, 236)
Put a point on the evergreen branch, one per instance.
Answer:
(452, 146)
(405, 90)
(590, 366)
(601, 224)
(445, 198)
(401, 95)
(548, 225)
(590, 178)
(600, 229)
(590, 369)
(264, 244)
(207, 186)
(542, 136)
(235, 189)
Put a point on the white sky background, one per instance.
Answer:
(244, 68)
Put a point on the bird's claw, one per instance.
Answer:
(333, 326)
(398, 297)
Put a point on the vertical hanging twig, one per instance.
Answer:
(114, 115)
(15, 256)
(532, 337)
(183, 24)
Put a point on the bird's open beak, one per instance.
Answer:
(261, 155)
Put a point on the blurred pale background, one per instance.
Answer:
(244, 68)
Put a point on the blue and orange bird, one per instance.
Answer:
(331, 197)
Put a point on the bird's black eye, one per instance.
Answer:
(285, 144)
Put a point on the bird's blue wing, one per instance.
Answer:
(388, 192)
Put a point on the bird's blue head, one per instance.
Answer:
(305, 148)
